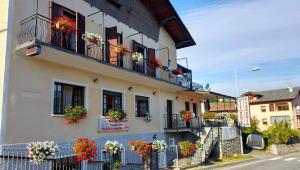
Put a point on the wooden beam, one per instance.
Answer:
(165, 21)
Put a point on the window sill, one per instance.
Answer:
(54, 115)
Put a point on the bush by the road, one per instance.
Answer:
(280, 133)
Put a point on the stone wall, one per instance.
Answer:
(285, 149)
(230, 147)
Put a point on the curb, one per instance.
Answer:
(209, 167)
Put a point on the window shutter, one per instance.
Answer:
(80, 30)
(111, 43)
(56, 11)
(151, 62)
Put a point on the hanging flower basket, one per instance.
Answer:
(187, 148)
(113, 147)
(85, 149)
(74, 113)
(159, 145)
(177, 72)
(185, 115)
(122, 50)
(137, 57)
(39, 151)
(142, 148)
(64, 24)
(116, 115)
(93, 38)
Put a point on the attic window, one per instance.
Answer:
(115, 3)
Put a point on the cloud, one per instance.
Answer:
(242, 33)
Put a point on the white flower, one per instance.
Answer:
(38, 151)
(159, 145)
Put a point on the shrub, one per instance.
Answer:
(279, 133)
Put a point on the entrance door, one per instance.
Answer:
(169, 113)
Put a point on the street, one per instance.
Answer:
(287, 162)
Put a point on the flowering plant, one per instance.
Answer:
(116, 165)
(91, 37)
(209, 115)
(85, 149)
(177, 71)
(185, 115)
(138, 57)
(41, 150)
(74, 113)
(64, 24)
(159, 145)
(142, 148)
(113, 147)
(186, 148)
(121, 49)
(116, 115)
(233, 116)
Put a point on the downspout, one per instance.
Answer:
(5, 69)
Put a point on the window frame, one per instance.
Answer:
(72, 83)
(134, 104)
(263, 110)
(187, 106)
(102, 99)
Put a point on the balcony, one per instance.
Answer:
(174, 123)
(38, 30)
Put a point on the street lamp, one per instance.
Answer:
(236, 79)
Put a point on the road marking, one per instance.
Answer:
(299, 160)
(242, 165)
(276, 158)
(289, 159)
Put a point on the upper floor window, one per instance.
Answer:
(263, 108)
(187, 106)
(111, 101)
(279, 107)
(278, 119)
(65, 95)
(141, 106)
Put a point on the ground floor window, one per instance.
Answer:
(141, 106)
(111, 101)
(65, 95)
(278, 119)
(264, 121)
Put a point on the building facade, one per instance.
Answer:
(44, 69)
(275, 106)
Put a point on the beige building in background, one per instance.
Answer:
(277, 105)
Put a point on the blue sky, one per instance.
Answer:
(245, 34)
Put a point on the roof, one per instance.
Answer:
(167, 17)
(275, 95)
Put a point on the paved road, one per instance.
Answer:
(287, 162)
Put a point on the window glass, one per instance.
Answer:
(264, 121)
(278, 119)
(141, 106)
(282, 106)
(111, 101)
(263, 108)
(65, 95)
(271, 107)
(187, 106)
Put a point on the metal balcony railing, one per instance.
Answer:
(39, 29)
(174, 121)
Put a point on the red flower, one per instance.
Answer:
(85, 149)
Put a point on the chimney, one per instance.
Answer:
(290, 89)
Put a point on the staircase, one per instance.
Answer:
(209, 142)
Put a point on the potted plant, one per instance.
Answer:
(116, 115)
(64, 24)
(137, 57)
(148, 117)
(177, 72)
(85, 149)
(159, 145)
(93, 38)
(209, 115)
(122, 50)
(74, 113)
(143, 149)
(185, 115)
(116, 165)
(113, 147)
(39, 151)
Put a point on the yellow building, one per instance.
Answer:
(277, 105)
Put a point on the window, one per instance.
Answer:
(279, 107)
(111, 101)
(187, 106)
(195, 108)
(141, 106)
(263, 108)
(264, 121)
(277, 119)
(65, 95)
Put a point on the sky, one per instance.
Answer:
(242, 34)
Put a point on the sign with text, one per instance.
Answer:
(34, 50)
(243, 111)
(105, 125)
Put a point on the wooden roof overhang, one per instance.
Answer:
(168, 18)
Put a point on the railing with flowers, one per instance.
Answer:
(178, 121)
(61, 33)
